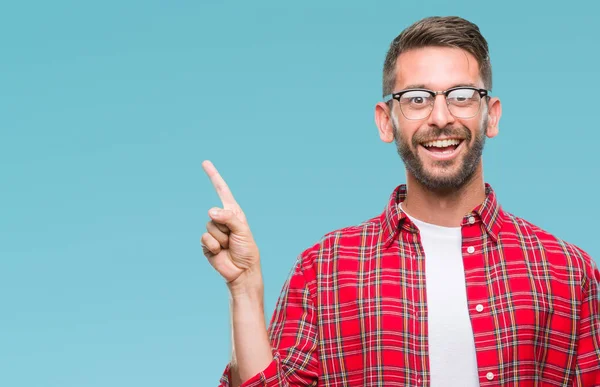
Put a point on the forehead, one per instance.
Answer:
(436, 68)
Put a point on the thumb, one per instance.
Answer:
(228, 218)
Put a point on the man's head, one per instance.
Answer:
(438, 54)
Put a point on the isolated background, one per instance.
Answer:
(109, 108)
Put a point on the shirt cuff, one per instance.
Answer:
(268, 378)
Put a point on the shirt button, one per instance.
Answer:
(419, 381)
(471, 220)
(479, 308)
(470, 249)
(489, 375)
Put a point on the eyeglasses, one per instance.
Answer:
(417, 104)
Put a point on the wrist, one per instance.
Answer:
(248, 286)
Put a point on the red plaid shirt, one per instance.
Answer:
(354, 311)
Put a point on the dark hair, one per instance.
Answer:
(437, 31)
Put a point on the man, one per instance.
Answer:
(444, 287)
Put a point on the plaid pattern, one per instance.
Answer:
(354, 311)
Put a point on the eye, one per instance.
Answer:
(416, 98)
(462, 96)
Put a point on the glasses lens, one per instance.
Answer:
(416, 104)
(463, 103)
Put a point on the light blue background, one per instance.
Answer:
(109, 108)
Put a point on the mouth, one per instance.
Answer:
(445, 149)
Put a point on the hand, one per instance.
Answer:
(228, 243)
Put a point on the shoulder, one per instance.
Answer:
(538, 242)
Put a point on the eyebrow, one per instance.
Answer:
(421, 86)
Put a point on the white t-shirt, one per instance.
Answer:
(452, 357)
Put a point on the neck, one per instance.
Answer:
(444, 208)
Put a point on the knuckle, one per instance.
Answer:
(208, 240)
(223, 229)
(214, 247)
(210, 226)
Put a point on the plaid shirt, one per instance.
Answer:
(354, 311)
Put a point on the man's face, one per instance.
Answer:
(450, 167)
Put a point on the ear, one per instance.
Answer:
(494, 113)
(383, 120)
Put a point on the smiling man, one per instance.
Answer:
(444, 287)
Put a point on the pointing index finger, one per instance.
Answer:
(220, 186)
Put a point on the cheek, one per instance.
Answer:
(409, 137)
(404, 130)
(483, 120)
(407, 130)
(473, 128)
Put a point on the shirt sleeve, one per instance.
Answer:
(587, 371)
(293, 334)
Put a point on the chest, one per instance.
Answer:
(374, 313)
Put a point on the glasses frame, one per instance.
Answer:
(397, 95)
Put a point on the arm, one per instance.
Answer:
(293, 337)
(229, 247)
(587, 368)
(251, 349)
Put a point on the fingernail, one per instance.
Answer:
(214, 212)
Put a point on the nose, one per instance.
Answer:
(440, 115)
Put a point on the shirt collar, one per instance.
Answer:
(489, 212)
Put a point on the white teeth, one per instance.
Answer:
(441, 143)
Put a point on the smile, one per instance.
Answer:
(445, 149)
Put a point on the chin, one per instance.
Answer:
(446, 179)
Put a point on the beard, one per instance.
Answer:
(447, 181)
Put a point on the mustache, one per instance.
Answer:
(435, 133)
